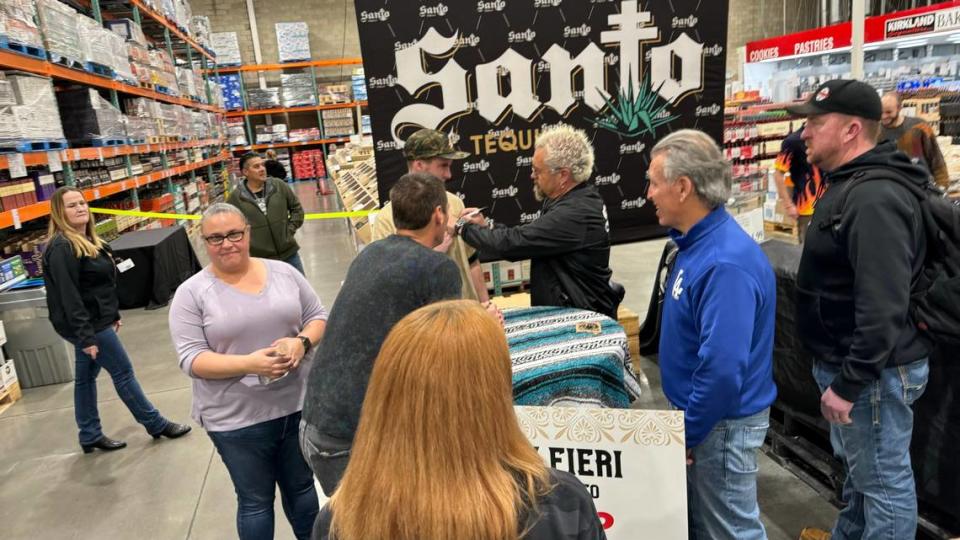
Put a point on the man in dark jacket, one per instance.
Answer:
(568, 244)
(853, 303)
(273, 210)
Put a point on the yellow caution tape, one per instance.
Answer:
(335, 215)
(138, 213)
(161, 215)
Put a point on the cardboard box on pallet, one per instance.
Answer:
(293, 41)
(18, 19)
(298, 90)
(36, 111)
(200, 27)
(89, 116)
(61, 35)
(8, 374)
(226, 47)
(128, 30)
(232, 93)
(97, 43)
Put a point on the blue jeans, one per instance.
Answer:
(114, 359)
(722, 481)
(295, 262)
(259, 458)
(879, 491)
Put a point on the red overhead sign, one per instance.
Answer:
(913, 22)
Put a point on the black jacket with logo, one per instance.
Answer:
(271, 233)
(855, 276)
(81, 291)
(569, 248)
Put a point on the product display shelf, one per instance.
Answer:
(12, 218)
(319, 100)
(40, 158)
(354, 174)
(12, 60)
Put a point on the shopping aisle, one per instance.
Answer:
(180, 489)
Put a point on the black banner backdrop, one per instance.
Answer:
(492, 74)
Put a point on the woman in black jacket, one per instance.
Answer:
(81, 280)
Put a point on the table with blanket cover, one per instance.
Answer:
(554, 364)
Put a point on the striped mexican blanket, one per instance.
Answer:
(554, 364)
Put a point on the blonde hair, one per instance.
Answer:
(86, 243)
(567, 148)
(438, 452)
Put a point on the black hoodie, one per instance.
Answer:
(854, 282)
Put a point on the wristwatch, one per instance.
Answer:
(307, 344)
(458, 228)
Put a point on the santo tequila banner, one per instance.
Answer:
(492, 74)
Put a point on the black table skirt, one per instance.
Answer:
(936, 427)
(163, 259)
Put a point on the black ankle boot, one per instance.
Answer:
(103, 443)
(173, 431)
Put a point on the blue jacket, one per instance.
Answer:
(716, 346)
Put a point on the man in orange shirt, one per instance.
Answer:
(799, 183)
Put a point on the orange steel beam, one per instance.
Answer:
(42, 208)
(40, 157)
(144, 9)
(21, 62)
(290, 65)
(251, 147)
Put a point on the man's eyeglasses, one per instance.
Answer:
(217, 239)
(540, 172)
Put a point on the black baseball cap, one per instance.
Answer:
(842, 96)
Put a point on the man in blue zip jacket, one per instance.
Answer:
(716, 347)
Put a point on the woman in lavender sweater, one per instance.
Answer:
(242, 328)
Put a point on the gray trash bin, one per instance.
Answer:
(39, 353)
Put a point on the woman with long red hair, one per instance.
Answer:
(439, 454)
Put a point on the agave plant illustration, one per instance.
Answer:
(630, 116)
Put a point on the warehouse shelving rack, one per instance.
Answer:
(246, 113)
(177, 42)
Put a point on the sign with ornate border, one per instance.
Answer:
(633, 463)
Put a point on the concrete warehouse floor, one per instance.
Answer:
(180, 489)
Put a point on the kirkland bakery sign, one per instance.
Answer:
(493, 74)
(924, 23)
(629, 460)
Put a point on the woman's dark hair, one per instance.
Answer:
(414, 198)
(247, 157)
(275, 169)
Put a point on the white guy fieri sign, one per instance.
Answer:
(633, 463)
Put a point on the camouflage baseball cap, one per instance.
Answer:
(430, 143)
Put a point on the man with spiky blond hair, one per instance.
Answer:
(569, 244)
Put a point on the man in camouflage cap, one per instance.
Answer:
(427, 144)
(430, 151)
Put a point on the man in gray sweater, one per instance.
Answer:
(389, 279)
